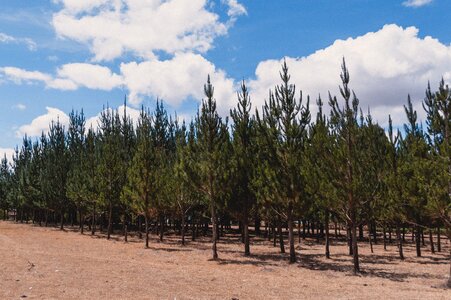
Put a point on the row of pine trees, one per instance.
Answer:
(278, 166)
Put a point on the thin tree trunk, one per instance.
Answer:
(355, 251)
(326, 224)
(247, 250)
(146, 220)
(370, 240)
(431, 241)
(62, 220)
(93, 221)
(183, 227)
(125, 228)
(291, 234)
(274, 235)
(82, 222)
(385, 237)
(279, 229)
(417, 240)
(400, 241)
(214, 232)
(162, 220)
(110, 220)
(299, 231)
(439, 246)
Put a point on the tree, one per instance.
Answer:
(347, 158)
(142, 174)
(288, 133)
(243, 135)
(211, 137)
(109, 167)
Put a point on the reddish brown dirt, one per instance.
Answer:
(45, 263)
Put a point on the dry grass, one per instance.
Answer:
(45, 263)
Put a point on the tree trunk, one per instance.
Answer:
(61, 220)
(326, 224)
(247, 250)
(370, 240)
(361, 231)
(418, 240)
(355, 251)
(82, 222)
(349, 238)
(93, 221)
(299, 231)
(303, 229)
(214, 232)
(385, 237)
(146, 220)
(182, 229)
(274, 235)
(125, 228)
(439, 246)
(291, 234)
(279, 230)
(431, 241)
(161, 231)
(110, 220)
(400, 240)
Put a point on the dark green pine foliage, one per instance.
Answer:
(142, 185)
(243, 199)
(109, 167)
(76, 181)
(286, 119)
(415, 171)
(57, 169)
(5, 182)
(212, 138)
(393, 207)
(320, 173)
(347, 158)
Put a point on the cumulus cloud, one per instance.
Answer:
(89, 76)
(20, 76)
(381, 76)
(142, 27)
(416, 3)
(176, 79)
(172, 80)
(42, 123)
(7, 39)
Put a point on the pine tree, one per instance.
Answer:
(288, 134)
(243, 135)
(347, 159)
(211, 138)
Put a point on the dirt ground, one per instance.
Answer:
(46, 263)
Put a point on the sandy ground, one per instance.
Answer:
(45, 263)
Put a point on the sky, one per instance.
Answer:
(63, 55)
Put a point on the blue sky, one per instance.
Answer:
(59, 55)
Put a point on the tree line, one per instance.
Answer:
(279, 167)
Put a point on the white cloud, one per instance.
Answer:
(381, 76)
(176, 79)
(89, 76)
(8, 152)
(20, 76)
(235, 10)
(131, 112)
(7, 39)
(416, 3)
(20, 106)
(142, 27)
(42, 123)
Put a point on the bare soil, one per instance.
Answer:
(46, 263)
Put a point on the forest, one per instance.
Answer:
(274, 169)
